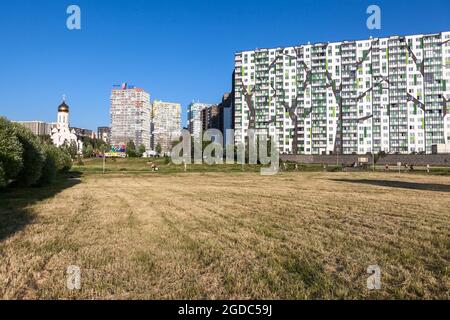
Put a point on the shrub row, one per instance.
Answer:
(27, 161)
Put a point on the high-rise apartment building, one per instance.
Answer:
(195, 120)
(39, 128)
(130, 116)
(165, 124)
(212, 118)
(227, 111)
(380, 94)
(218, 116)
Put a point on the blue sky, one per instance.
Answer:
(176, 50)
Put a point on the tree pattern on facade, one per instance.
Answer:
(337, 93)
(416, 101)
(248, 92)
(291, 107)
(420, 65)
(445, 101)
(428, 78)
(445, 106)
(310, 70)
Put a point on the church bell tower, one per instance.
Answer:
(63, 115)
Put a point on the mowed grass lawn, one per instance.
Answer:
(228, 235)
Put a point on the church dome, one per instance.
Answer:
(63, 107)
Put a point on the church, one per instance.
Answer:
(61, 133)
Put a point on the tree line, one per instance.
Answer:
(28, 160)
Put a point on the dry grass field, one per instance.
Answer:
(232, 236)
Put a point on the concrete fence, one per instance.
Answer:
(391, 159)
(416, 159)
(346, 159)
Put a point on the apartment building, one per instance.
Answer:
(352, 97)
(130, 116)
(195, 119)
(219, 116)
(104, 133)
(39, 128)
(212, 118)
(82, 132)
(165, 124)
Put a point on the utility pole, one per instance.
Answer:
(104, 162)
(373, 160)
(104, 159)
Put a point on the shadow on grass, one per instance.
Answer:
(400, 184)
(14, 203)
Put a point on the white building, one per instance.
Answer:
(195, 122)
(165, 124)
(380, 94)
(130, 116)
(61, 133)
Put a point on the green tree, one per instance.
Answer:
(49, 169)
(71, 149)
(158, 149)
(88, 151)
(141, 150)
(101, 147)
(63, 160)
(56, 161)
(33, 156)
(2, 176)
(131, 149)
(26, 159)
(11, 152)
(45, 139)
(88, 141)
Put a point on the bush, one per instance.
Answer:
(2, 177)
(141, 151)
(335, 169)
(33, 156)
(49, 169)
(71, 149)
(57, 161)
(64, 161)
(11, 151)
(80, 161)
(131, 150)
(88, 151)
(26, 159)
